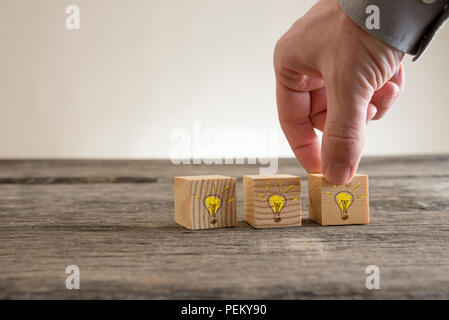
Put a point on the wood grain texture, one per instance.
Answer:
(124, 239)
(314, 191)
(191, 194)
(260, 212)
(338, 205)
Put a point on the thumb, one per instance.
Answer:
(344, 130)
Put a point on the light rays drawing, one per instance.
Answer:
(213, 201)
(345, 199)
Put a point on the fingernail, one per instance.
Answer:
(338, 173)
(303, 82)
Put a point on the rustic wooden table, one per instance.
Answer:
(114, 220)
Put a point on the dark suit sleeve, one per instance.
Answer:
(407, 25)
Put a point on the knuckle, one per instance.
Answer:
(381, 69)
(292, 124)
(343, 134)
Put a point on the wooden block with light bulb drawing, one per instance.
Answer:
(272, 200)
(338, 205)
(205, 202)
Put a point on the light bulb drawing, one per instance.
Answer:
(213, 202)
(277, 200)
(345, 199)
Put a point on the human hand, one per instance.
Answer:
(333, 76)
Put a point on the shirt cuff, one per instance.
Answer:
(404, 24)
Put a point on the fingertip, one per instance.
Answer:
(395, 90)
(371, 112)
(385, 98)
(310, 157)
(338, 173)
(390, 95)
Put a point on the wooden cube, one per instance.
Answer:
(272, 200)
(338, 205)
(205, 202)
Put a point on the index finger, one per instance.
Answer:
(294, 116)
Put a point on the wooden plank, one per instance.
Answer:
(382, 167)
(124, 239)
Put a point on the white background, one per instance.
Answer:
(138, 70)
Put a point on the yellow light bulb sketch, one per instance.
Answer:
(213, 202)
(345, 199)
(277, 201)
